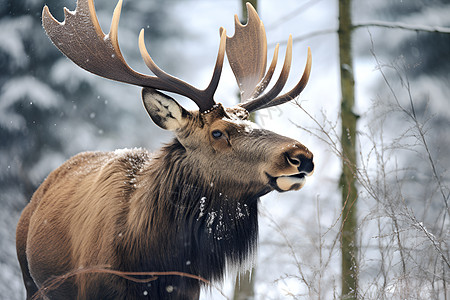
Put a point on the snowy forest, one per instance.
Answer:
(399, 162)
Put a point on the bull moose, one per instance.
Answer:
(192, 206)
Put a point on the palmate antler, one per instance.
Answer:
(82, 40)
(247, 53)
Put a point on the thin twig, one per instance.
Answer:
(306, 36)
(54, 283)
(412, 114)
(382, 24)
(292, 14)
(399, 25)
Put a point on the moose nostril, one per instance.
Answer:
(293, 161)
(306, 165)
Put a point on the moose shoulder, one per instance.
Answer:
(191, 207)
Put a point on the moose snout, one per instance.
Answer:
(292, 172)
(301, 158)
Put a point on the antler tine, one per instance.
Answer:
(251, 39)
(81, 39)
(102, 55)
(279, 85)
(261, 87)
(203, 98)
(247, 54)
(297, 89)
(212, 87)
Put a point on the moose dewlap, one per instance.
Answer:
(185, 212)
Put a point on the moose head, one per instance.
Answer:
(213, 127)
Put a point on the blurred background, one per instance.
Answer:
(50, 109)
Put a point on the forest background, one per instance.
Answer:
(50, 110)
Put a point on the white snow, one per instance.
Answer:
(13, 32)
(26, 89)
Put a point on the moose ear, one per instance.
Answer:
(164, 111)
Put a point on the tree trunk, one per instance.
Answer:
(347, 181)
(244, 8)
(244, 285)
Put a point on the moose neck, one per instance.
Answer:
(215, 223)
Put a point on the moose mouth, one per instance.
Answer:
(288, 182)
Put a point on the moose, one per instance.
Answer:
(192, 206)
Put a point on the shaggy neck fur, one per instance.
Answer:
(189, 223)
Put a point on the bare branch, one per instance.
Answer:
(294, 13)
(54, 283)
(383, 24)
(399, 25)
(305, 36)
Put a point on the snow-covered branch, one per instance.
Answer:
(392, 25)
(399, 25)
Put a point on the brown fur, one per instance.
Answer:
(192, 208)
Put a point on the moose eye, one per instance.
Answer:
(217, 134)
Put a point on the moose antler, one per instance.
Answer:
(82, 40)
(247, 54)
